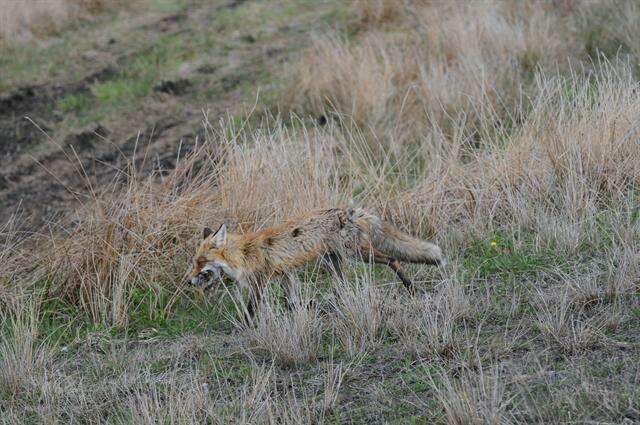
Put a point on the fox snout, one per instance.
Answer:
(206, 277)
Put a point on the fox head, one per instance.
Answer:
(210, 264)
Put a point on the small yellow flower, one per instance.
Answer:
(494, 244)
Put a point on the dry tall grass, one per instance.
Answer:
(469, 122)
(290, 337)
(470, 62)
(23, 354)
(473, 398)
(361, 313)
(425, 326)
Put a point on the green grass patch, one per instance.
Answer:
(73, 103)
(137, 81)
(149, 315)
(149, 309)
(129, 88)
(168, 6)
(59, 322)
(232, 369)
(29, 62)
(510, 254)
(115, 93)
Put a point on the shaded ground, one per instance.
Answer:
(132, 86)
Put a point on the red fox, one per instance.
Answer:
(326, 235)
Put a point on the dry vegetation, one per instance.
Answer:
(506, 131)
(24, 19)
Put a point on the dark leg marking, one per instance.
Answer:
(255, 298)
(382, 258)
(332, 263)
(286, 284)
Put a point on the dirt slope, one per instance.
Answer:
(141, 78)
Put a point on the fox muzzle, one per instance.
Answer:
(207, 277)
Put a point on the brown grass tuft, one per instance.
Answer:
(23, 355)
(360, 314)
(425, 325)
(290, 337)
(473, 397)
(565, 327)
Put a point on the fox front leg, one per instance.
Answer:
(287, 283)
(256, 287)
(332, 262)
(247, 309)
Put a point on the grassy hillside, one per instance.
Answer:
(507, 132)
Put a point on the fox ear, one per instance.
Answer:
(220, 237)
(206, 232)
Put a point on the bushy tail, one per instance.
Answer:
(395, 243)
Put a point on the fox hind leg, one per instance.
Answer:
(395, 266)
(379, 257)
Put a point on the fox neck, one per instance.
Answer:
(233, 273)
(238, 259)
